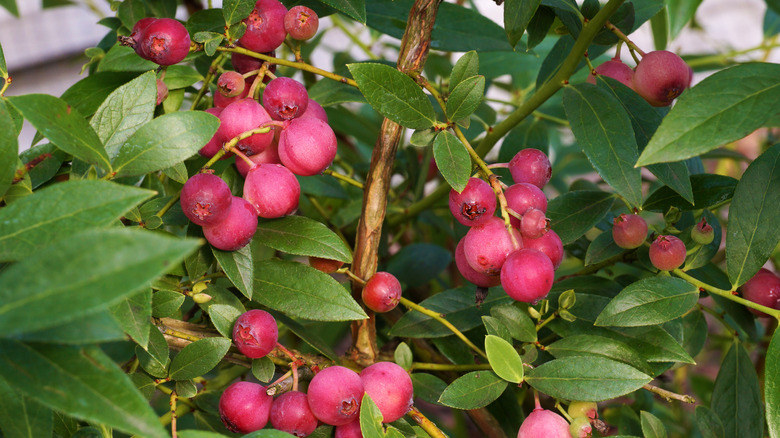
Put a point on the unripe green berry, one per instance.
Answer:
(200, 287)
(583, 409)
(702, 233)
(201, 298)
(580, 428)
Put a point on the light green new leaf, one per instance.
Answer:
(474, 390)
(198, 358)
(772, 385)
(750, 237)
(370, 418)
(134, 315)
(465, 98)
(394, 95)
(504, 359)
(650, 301)
(302, 236)
(236, 10)
(722, 108)
(652, 427)
(452, 159)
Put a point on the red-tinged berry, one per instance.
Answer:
(661, 76)
(272, 189)
(382, 292)
(265, 26)
(241, 116)
(615, 69)
(285, 98)
(475, 205)
(487, 246)
(764, 289)
(307, 146)
(162, 91)
(255, 333)
(315, 110)
(542, 423)
(390, 387)
(335, 394)
(349, 430)
(290, 413)
(231, 84)
(222, 101)
(301, 22)
(205, 199)
(327, 266)
(531, 166)
(244, 407)
(479, 279)
(550, 244)
(234, 231)
(629, 231)
(527, 275)
(578, 409)
(215, 144)
(269, 155)
(521, 197)
(164, 41)
(534, 224)
(667, 253)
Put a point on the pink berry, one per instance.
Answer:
(542, 423)
(764, 289)
(265, 26)
(290, 413)
(231, 83)
(521, 197)
(550, 244)
(475, 205)
(205, 199)
(327, 266)
(382, 292)
(215, 144)
(162, 91)
(349, 430)
(487, 246)
(136, 33)
(285, 98)
(244, 407)
(534, 224)
(307, 146)
(164, 41)
(315, 110)
(531, 166)
(661, 76)
(615, 69)
(629, 231)
(255, 333)
(335, 394)
(269, 155)
(222, 101)
(272, 189)
(469, 273)
(527, 275)
(241, 116)
(234, 231)
(390, 387)
(301, 22)
(667, 253)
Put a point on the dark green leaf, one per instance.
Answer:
(239, 265)
(186, 388)
(166, 303)
(329, 93)
(81, 381)
(708, 423)
(517, 15)
(302, 291)
(592, 345)
(134, 315)
(308, 335)
(263, 369)
(164, 142)
(223, 316)
(22, 416)
(419, 263)
(756, 204)
(355, 9)
(465, 98)
(708, 190)
(452, 159)
(494, 326)
(586, 378)
(705, 117)
(61, 210)
(660, 26)
(89, 93)
(124, 111)
(394, 95)
(95, 269)
(474, 390)
(92, 329)
(573, 214)
(198, 358)
(539, 26)
(652, 427)
(236, 10)
(600, 125)
(680, 13)
(772, 385)
(10, 6)
(650, 301)
(736, 397)
(466, 67)
(428, 387)
(504, 359)
(64, 126)
(517, 321)
(3, 67)
(9, 147)
(156, 357)
(603, 247)
(124, 59)
(302, 236)
(130, 11)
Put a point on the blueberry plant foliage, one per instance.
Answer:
(117, 315)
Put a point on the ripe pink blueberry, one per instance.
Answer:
(222, 101)
(215, 144)
(140, 25)
(475, 205)
(542, 423)
(487, 246)
(231, 83)
(164, 41)
(244, 407)
(390, 387)
(661, 76)
(269, 155)
(521, 197)
(527, 275)
(290, 413)
(272, 189)
(285, 98)
(667, 253)
(241, 116)
(382, 292)
(307, 146)
(531, 166)
(349, 430)
(629, 231)
(255, 333)
(615, 69)
(550, 244)
(764, 289)
(335, 394)
(205, 199)
(315, 110)
(265, 26)
(479, 279)
(301, 22)
(234, 231)
(534, 224)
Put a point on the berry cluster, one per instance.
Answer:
(667, 252)
(523, 258)
(659, 77)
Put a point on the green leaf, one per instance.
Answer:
(417, 264)
(89, 93)
(573, 214)
(165, 141)
(10, 6)
(452, 159)
(466, 67)
(652, 427)
(708, 190)
(3, 66)
(649, 301)
(302, 291)
(265, 433)
(756, 204)
(394, 95)
(64, 126)
(130, 11)
(92, 329)
(355, 9)
(600, 125)
(586, 378)
(680, 13)
(736, 397)
(329, 93)
(223, 316)
(504, 359)
(705, 117)
(210, 41)
(370, 418)
(403, 356)
(22, 416)
(156, 357)
(239, 265)
(592, 345)
(494, 326)
(124, 111)
(263, 369)
(134, 315)
(517, 15)
(165, 303)
(710, 425)
(474, 390)
(517, 321)
(81, 381)
(602, 248)
(308, 335)
(465, 98)
(772, 385)
(236, 10)
(198, 358)
(95, 269)
(428, 387)
(124, 59)
(660, 26)
(61, 210)
(9, 147)
(302, 236)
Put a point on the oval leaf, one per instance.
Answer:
(504, 359)
(302, 236)
(772, 385)
(517, 15)
(573, 214)
(394, 95)
(710, 425)
(239, 265)
(474, 390)
(236, 10)
(750, 238)
(465, 98)
(652, 427)
(586, 378)
(198, 358)
(22, 416)
(708, 190)
(466, 67)
(452, 159)
(650, 301)
(736, 397)
(592, 345)
(302, 291)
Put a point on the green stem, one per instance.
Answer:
(207, 80)
(726, 57)
(352, 36)
(440, 318)
(726, 294)
(544, 323)
(168, 206)
(449, 367)
(6, 83)
(344, 178)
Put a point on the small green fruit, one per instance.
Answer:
(702, 233)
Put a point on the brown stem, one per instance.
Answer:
(487, 423)
(669, 395)
(412, 56)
